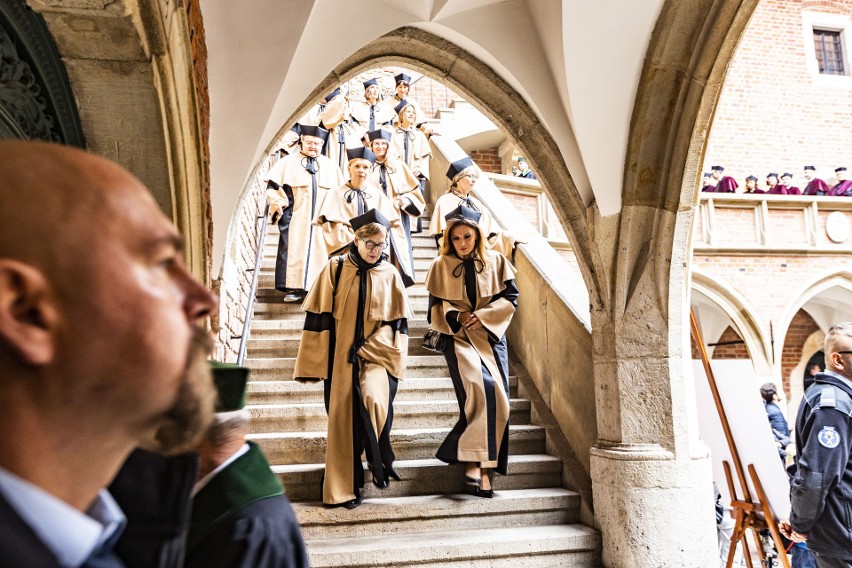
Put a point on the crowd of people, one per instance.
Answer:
(715, 181)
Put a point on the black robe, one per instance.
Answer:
(241, 519)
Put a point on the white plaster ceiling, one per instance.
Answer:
(576, 63)
(830, 307)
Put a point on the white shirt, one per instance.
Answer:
(199, 485)
(69, 533)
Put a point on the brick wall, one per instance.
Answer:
(802, 327)
(772, 114)
(733, 351)
(488, 160)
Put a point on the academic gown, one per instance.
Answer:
(816, 187)
(341, 134)
(477, 360)
(355, 339)
(363, 120)
(496, 238)
(842, 189)
(412, 147)
(397, 181)
(301, 250)
(345, 203)
(727, 185)
(781, 189)
(241, 519)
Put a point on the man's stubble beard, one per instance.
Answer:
(183, 426)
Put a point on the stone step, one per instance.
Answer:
(427, 477)
(281, 368)
(292, 329)
(280, 309)
(516, 547)
(425, 249)
(259, 348)
(421, 264)
(408, 444)
(294, 392)
(267, 281)
(407, 414)
(395, 515)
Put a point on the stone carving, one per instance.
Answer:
(837, 226)
(22, 106)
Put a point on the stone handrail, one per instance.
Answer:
(551, 331)
(766, 224)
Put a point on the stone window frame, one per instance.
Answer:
(815, 21)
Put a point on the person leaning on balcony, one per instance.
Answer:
(707, 183)
(815, 185)
(296, 188)
(772, 183)
(787, 187)
(463, 175)
(472, 298)
(355, 340)
(724, 184)
(843, 187)
(751, 185)
(822, 483)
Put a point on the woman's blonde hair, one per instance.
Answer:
(463, 173)
(447, 244)
(370, 229)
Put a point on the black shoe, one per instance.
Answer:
(472, 481)
(477, 491)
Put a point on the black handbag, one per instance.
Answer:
(434, 341)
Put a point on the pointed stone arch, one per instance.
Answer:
(836, 278)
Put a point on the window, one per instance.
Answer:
(829, 52)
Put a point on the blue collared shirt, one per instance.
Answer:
(70, 534)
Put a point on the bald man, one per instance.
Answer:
(99, 349)
(821, 488)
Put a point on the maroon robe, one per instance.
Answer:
(792, 190)
(709, 189)
(727, 185)
(842, 189)
(816, 187)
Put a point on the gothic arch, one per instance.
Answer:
(738, 309)
(841, 279)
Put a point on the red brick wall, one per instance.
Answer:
(734, 351)
(800, 329)
(487, 159)
(430, 94)
(771, 115)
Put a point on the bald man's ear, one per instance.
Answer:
(27, 315)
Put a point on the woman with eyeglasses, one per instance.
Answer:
(463, 175)
(356, 197)
(355, 340)
(472, 298)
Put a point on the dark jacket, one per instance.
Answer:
(821, 490)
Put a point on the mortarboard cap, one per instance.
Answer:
(718, 168)
(402, 77)
(230, 381)
(707, 174)
(380, 134)
(369, 82)
(310, 130)
(362, 153)
(813, 169)
(332, 94)
(786, 175)
(464, 212)
(459, 166)
(772, 174)
(840, 169)
(402, 104)
(752, 178)
(521, 159)
(371, 216)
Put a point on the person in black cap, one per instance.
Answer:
(354, 198)
(399, 183)
(240, 517)
(815, 186)
(843, 187)
(411, 145)
(707, 183)
(292, 138)
(463, 175)
(472, 298)
(772, 183)
(296, 189)
(355, 340)
(751, 185)
(787, 185)
(523, 170)
(369, 114)
(724, 184)
(341, 134)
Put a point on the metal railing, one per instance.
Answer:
(261, 237)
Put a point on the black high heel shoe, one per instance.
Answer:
(484, 493)
(472, 481)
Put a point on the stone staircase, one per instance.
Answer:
(425, 519)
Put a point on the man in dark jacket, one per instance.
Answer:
(776, 419)
(820, 490)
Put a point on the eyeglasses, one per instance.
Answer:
(371, 245)
(471, 176)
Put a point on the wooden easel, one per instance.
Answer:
(750, 514)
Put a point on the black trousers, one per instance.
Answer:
(831, 561)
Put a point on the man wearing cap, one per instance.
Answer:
(463, 175)
(355, 340)
(786, 186)
(397, 181)
(99, 349)
(354, 198)
(524, 170)
(724, 184)
(707, 183)
(296, 189)
(291, 139)
(772, 183)
(369, 114)
(815, 186)
(843, 187)
(822, 484)
(240, 517)
(751, 185)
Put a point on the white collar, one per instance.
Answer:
(199, 485)
(69, 533)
